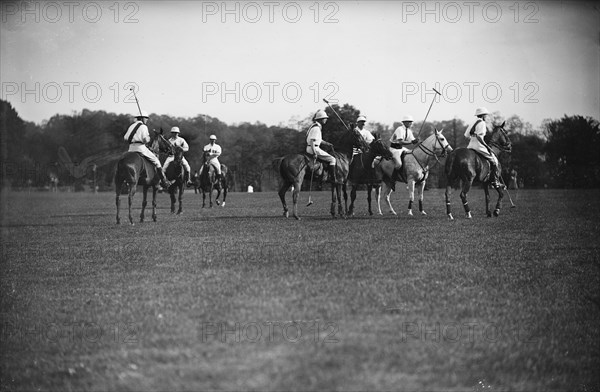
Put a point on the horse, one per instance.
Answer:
(415, 169)
(466, 166)
(210, 182)
(363, 172)
(134, 169)
(175, 174)
(294, 168)
(196, 181)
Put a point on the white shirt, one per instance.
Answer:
(213, 149)
(314, 135)
(142, 136)
(402, 134)
(368, 136)
(179, 142)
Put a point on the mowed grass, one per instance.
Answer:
(241, 298)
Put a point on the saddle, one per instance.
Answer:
(314, 165)
(487, 169)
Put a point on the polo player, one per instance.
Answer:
(314, 140)
(138, 136)
(476, 132)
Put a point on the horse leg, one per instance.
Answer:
(387, 191)
(344, 190)
(352, 199)
(448, 206)
(463, 196)
(210, 196)
(180, 210)
(338, 191)
(203, 198)
(154, 192)
(369, 189)
(172, 195)
(378, 198)
(282, 191)
(295, 197)
(144, 202)
(224, 195)
(499, 202)
(420, 190)
(218, 195)
(411, 195)
(118, 203)
(332, 209)
(486, 190)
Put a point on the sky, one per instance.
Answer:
(274, 62)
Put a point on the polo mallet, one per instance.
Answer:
(434, 97)
(512, 205)
(338, 116)
(136, 101)
(312, 173)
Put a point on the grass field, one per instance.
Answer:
(240, 298)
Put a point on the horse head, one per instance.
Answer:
(159, 144)
(436, 144)
(379, 149)
(499, 138)
(178, 154)
(358, 140)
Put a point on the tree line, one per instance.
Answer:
(82, 148)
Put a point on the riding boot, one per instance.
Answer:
(332, 176)
(163, 180)
(495, 177)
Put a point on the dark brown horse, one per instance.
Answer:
(363, 172)
(294, 168)
(464, 165)
(133, 169)
(175, 175)
(210, 182)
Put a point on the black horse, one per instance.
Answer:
(466, 166)
(175, 175)
(294, 168)
(133, 169)
(363, 172)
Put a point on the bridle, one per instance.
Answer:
(507, 146)
(431, 152)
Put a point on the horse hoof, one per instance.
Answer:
(489, 214)
(469, 216)
(380, 213)
(423, 213)
(218, 202)
(496, 213)
(223, 205)
(410, 212)
(450, 217)
(297, 217)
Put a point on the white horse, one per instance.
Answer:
(416, 167)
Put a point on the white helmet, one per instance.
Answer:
(212, 137)
(481, 111)
(141, 114)
(175, 130)
(361, 118)
(408, 117)
(320, 114)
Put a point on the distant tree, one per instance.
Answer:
(573, 151)
(334, 129)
